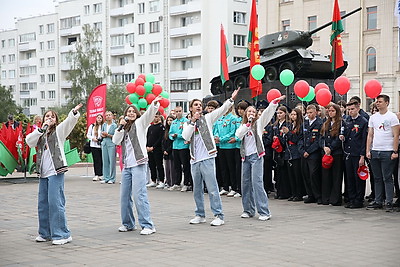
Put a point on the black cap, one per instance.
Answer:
(10, 117)
(261, 104)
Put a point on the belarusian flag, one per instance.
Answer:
(253, 49)
(224, 55)
(336, 39)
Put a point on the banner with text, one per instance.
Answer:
(96, 103)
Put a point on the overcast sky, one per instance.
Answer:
(22, 8)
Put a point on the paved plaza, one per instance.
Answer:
(297, 235)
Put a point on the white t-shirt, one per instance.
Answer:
(47, 168)
(200, 150)
(250, 143)
(130, 160)
(383, 135)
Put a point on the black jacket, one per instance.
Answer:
(155, 134)
(167, 146)
(267, 140)
(309, 141)
(355, 133)
(333, 142)
(292, 148)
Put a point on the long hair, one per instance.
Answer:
(337, 121)
(284, 109)
(298, 121)
(53, 127)
(167, 126)
(245, 119)
(129, 123)
(97, 125)
(191, 104)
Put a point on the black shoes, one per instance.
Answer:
(309, 200)
(374, 205)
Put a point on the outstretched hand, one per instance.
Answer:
(75, 109)
(158, 98)
(234, 94)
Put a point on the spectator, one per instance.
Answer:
(94, 135)
(108, 149)
(11, 122)
(167, 153)
(37, 122)
(155, 134)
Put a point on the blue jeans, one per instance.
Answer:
(134, 180)
(204, 171)
(109, 160)
(51, 208)
(383, 167)
(253, 193)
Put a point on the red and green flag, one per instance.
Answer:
(336, 39)
(224, 55)
(253, 49)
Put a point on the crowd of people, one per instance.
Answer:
(250, 152)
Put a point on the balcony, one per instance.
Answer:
(71, 31)
(117, 30)
(191, 51)
(117, 69)
(186, 74)
(65, 66)
(122, 50)
(67, 48)
(120, 11)
(191, 29)
(185, 9)
(22, 47)
(65, 84)
(24, 94)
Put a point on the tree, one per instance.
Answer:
(87, 71)
(8, 105)
(116, 98)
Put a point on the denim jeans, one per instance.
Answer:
(134, 181)
(204, 171)
(108, 151)
(253, 193)
(51, 208)
(382, 166)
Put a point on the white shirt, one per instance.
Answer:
(200, 150)
(250, 143)
(130, 160)
(383, 135)
(47, 166)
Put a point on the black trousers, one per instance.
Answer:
(282, 183)
(182, 158)
(311, 169)
(97, 161)
(267, 175)
(331, 184)
(355, 186)
(238, 172)
(156, 165)
(295, 178)
(228, 168)
(396, 179)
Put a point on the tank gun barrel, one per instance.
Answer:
(329, 23)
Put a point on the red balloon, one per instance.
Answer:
(140, 89)
(160, 109)
(157, 89)
(323, 97)
(301, 88)
(164, 102)
(164, 115)
(127, 100)
(320, 86)
(273, 94)
(342, 85)
(131, 88)
(139, 81)
(142, 76)
(373, 88)
(150, 98)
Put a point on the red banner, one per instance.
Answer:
(96, 103)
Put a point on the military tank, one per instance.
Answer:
(279, 51)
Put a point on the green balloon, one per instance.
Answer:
(136, 106)
(258, 72)
(164, 94)
(286, 77)
(134, 98)
(133, 80)
(148, 86)
(310, 96)
(150, 78)
(142, 103)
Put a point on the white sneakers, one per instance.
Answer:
(123, 228)
(160, 185)
(184, 188)
(147, 231)
(174, 187)
(151, 184)
(237, 195)
(264, 217)
(223, 192)
(97, 178)
(62, 241)
(197, 220)
(41, 239)
(231, 193)
(217, 221)
(245, 215)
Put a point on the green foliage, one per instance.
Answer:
(86, 72)
(116, 94)
(8, 106)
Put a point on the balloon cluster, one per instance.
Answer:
(286, 77)
(143, 91)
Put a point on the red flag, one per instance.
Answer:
(336, 39)
(224, 54)
(96, 103)
(253, 49)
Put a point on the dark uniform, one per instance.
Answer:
(268, 158)
(281, 178)
(311, 166)
(355, 133)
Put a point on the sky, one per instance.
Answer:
(22, 8)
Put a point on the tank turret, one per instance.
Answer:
(279, 51)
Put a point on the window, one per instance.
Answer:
(52, 94)
(51, 61)
(29, 102)
(154, 6)
(141, 8)
(42, 62)
(12, 88)
(3, 74)
(187, 64)
(239, 17)
(122, 3)
(41, 29)
(123, 61)
(371, 59)
(50, 45)
(239, 40)
(312, 22)
(11, 42)
(141, 28)
(372, 17)
(41, 46)
(30, 70)
(86, 9)
(141, 68)
(128, 77)
(154, 26)
(72, 40)
(51, 78)
(11, 58)
(130, 39)
(154, 48)
(185, 21)
(11, 74)
(23, 38)
(97, 26)
(42, 95)
(42, 78)
(141, 49)
(42, 110)
(185, 85)
(97, 8)
(3, 59)
(236, 59)
(50, 28)
(27, 86)
(155, 67)
(122, 22)
(117, 40)
(30, 55)
(185, 43)
(184, 2)
(70, 22)
(286, 25)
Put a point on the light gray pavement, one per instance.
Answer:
(297, 235)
